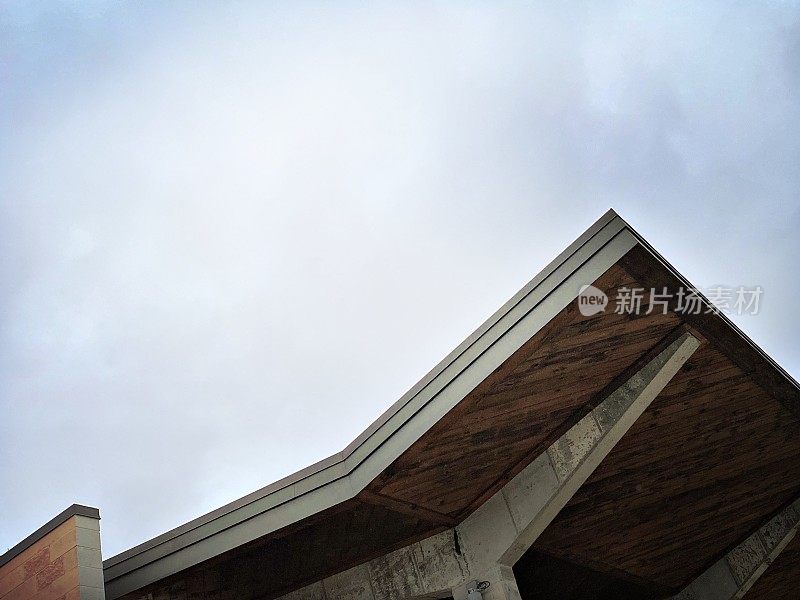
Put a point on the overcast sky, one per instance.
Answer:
(231, 236)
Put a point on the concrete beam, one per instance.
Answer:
(734, 574)
(504, 527)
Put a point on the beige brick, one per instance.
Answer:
(70, 558)
(37, 562)
(74, 594)
(12, 580)
(58, 588)
(24, 556)
(24, 591)
(50, 573)
(64, 543)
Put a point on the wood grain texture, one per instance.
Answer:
(711, 459)
(511, 417)
(652, 273)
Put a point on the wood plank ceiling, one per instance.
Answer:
(523, 407)
(711, 459)
(714, 456)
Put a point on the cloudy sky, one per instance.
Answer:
(231, 236)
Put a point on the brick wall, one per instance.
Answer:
(61, 561)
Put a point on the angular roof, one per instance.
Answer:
(516, 384)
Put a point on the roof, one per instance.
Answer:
(396, 466)
(67, 513)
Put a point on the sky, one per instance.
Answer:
(233, 234)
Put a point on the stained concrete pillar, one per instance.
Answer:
(735, 573)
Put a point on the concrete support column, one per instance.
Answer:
(734, 574)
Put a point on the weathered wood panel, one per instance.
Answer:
(710, 460)
(542, 390)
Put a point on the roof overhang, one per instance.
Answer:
(340, 478)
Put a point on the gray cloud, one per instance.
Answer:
(232, 236)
